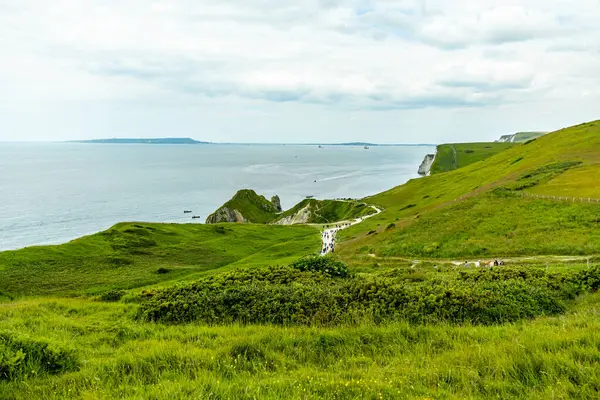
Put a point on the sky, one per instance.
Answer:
(282, 71)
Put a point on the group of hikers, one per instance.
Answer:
(479, 263)
(328, 237)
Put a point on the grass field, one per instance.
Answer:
(457, 155)
(101, 350)
(159, 311)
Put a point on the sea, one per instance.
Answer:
(51, 193)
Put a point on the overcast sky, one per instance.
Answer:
(415, 71)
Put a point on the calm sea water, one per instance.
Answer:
(52, 193)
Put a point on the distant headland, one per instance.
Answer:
(142, 141)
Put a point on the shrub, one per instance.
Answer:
(289, 296)
(113, 295)
(162, 271)
(410, 206)
(327, 265)
(589, 279)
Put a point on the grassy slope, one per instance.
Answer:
(578, 182)
(129, 255)
(427, 195)
(327, 211)
(254, 207)
(490, 226)
(466, 154)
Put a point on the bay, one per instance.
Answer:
(54, 192)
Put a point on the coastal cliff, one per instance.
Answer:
(425, 166)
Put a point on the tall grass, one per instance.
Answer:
(551, 357)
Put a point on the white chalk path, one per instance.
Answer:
(329, 235)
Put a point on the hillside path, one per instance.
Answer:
(329, 234)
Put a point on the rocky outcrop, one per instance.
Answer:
(276, 201)
(425, 166)
(225, 214)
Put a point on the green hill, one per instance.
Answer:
(133, 255)
(488, 208)
(245, 206)
(457, 155)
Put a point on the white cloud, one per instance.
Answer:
(315, 61)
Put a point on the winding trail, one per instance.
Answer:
(328, 235)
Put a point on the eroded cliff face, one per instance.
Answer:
(303, 216)
(425, 166)
(225, 214)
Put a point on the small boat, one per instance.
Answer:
(187, 212)
(366, 147)
(196, 217)
(320, 147)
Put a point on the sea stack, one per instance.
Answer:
(277, 203)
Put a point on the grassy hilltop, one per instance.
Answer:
(457, 155)
(237, 311)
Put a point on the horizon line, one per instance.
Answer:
(91, 141)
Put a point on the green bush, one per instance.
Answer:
(21, 357)
(289, 296)
(326, 265)
(113, 295)
(589, 279)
